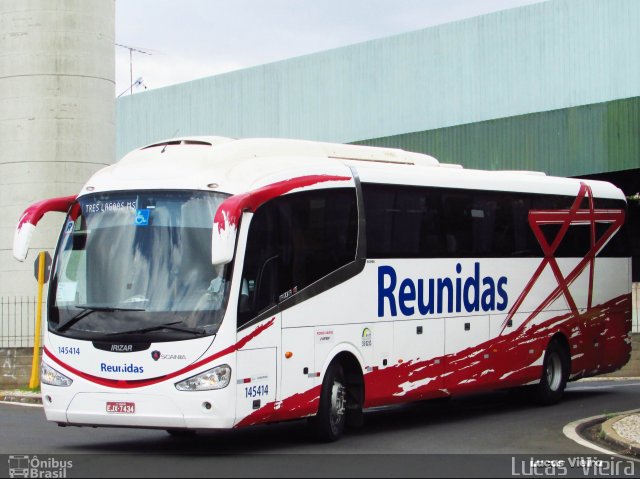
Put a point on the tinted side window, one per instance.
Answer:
(429, 222)
(403, 222)
(425, 222)
(294, 241)
(576, 240)
(620, 245)
(260, 272)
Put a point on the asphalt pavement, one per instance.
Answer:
(621, 430)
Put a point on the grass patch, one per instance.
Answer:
(29, 390)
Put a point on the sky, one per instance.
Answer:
(183, 40)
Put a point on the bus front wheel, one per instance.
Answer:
(328, 425)
(555, 372)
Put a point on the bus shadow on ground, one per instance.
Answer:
(295, 437)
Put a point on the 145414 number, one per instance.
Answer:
(256, 391)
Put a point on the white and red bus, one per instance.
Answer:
(208, 282)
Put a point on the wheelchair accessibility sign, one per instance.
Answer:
(142, 217)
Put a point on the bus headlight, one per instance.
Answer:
(50, 376)
(216, 378)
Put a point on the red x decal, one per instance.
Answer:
(566, 218)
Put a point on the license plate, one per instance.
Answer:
(116, 407)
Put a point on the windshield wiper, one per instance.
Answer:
(87, 310)
(170, 326)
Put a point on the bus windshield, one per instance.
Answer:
(138, 265)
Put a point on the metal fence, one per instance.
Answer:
(17, 321)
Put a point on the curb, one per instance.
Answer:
(575, 431)
(612, 437)
(606, 378)
(20, 398)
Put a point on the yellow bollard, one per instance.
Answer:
(34, 382)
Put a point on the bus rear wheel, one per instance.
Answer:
(555, 373)
(329, 424)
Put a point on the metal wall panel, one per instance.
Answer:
(548, 56)
(583, 140)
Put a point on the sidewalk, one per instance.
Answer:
(20, 396)
(623, 431)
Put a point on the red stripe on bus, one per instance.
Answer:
(138, 383)
(231, 209)
(567, 218)
(511, 364)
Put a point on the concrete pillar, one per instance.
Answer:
(57, 114)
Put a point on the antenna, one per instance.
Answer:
(131, 50)
(138, 82)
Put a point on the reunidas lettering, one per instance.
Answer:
(437, 295)
(124, 368)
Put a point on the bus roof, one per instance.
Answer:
(238, 165)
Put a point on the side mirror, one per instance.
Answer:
(223, 238)
(29, 220)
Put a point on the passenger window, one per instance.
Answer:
(434, 222)
(294, 241)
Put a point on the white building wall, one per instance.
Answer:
(57, 114)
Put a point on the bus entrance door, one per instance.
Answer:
(256, 380)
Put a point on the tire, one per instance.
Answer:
(329, 424)
(555, 373)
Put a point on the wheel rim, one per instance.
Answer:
(337, 404)
(554, 372)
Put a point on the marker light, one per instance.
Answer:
(50, 376)
(216, 378)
